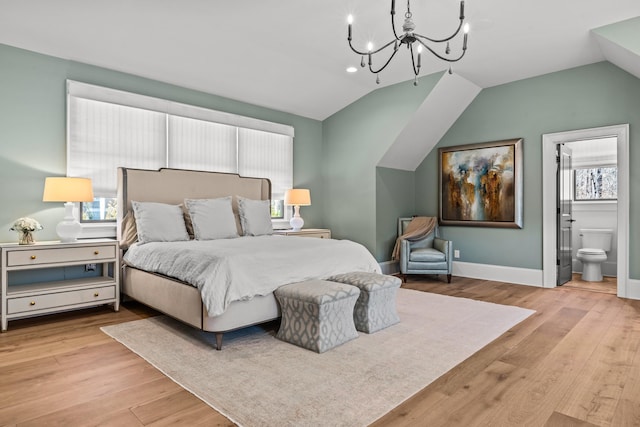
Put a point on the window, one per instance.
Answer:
(599, 183)
(108, 129)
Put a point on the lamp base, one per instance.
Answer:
(69, 228)
(296, 221)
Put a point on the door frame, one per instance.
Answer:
(549, 194)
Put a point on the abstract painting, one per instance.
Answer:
(481, 184)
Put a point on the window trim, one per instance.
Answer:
(575, 183)
(145, 102)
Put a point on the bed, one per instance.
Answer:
(163, 287)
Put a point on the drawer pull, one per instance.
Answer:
(33, 257)
(32, 303)
(96, 252)
(96, 294)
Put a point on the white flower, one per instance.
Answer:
(26, 224)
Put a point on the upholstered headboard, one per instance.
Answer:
(172, 186)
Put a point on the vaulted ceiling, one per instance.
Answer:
(291, 55)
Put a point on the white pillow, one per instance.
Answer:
(255, 216)
(159, 222)
(212, 218)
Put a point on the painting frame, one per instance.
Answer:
(481, 184)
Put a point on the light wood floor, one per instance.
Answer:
(608, 285)
(574, 363)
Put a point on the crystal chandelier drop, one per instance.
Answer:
(409, 37)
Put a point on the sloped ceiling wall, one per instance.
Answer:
(620, 44)
(439, 111)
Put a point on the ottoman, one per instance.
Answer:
(317, 314)
(376, 306)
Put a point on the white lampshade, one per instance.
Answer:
(68, 190)
(64, 189)
(297, 197)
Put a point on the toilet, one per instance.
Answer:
(595, 243)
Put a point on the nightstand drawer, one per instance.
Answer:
(319, 235)
(59, 299)
(51, 256)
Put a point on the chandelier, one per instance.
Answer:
(408, 38)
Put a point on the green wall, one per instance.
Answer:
(395, 198)
(355, 139)
(585, 97)
(337, 158)
(33, 132)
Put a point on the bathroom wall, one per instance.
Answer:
(597, 214)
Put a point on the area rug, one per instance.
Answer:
(257, 380)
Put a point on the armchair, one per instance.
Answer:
(429, 255)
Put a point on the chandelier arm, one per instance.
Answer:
(445, 39)
(373, 52)
(393, 25)
(356, 50)
(442, 57)
(385, 64)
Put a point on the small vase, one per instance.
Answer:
(25, 238)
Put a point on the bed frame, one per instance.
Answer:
(173, 297)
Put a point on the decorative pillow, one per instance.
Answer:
(212, 218)
(187, 220)
(255, 216)
(129, 234)
(159, 222)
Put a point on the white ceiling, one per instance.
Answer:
(291, 55)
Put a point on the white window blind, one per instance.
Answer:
(266, 155)
(104, 136)
(199, 145)
(108, 129)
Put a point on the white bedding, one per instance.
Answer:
(228, 270)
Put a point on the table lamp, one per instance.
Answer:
(297, 197)
(68, 190)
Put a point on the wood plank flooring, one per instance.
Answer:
(576, 362)
(608, 285)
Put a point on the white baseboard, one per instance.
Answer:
(521, 276)
(499, 273)
(633, 289)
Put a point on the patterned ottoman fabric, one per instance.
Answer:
(317, 314)
(376, 306)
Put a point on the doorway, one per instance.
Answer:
(550, 143)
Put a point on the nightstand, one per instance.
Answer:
(321, 233)
(34, 277)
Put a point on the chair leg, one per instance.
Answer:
(404, 278)
(448, 278)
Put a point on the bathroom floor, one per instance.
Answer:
(609, 285)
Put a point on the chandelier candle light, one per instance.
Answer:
(409, 38)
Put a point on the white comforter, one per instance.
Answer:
(228, 270)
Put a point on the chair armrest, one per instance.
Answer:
(444, 246)
(405, 249)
